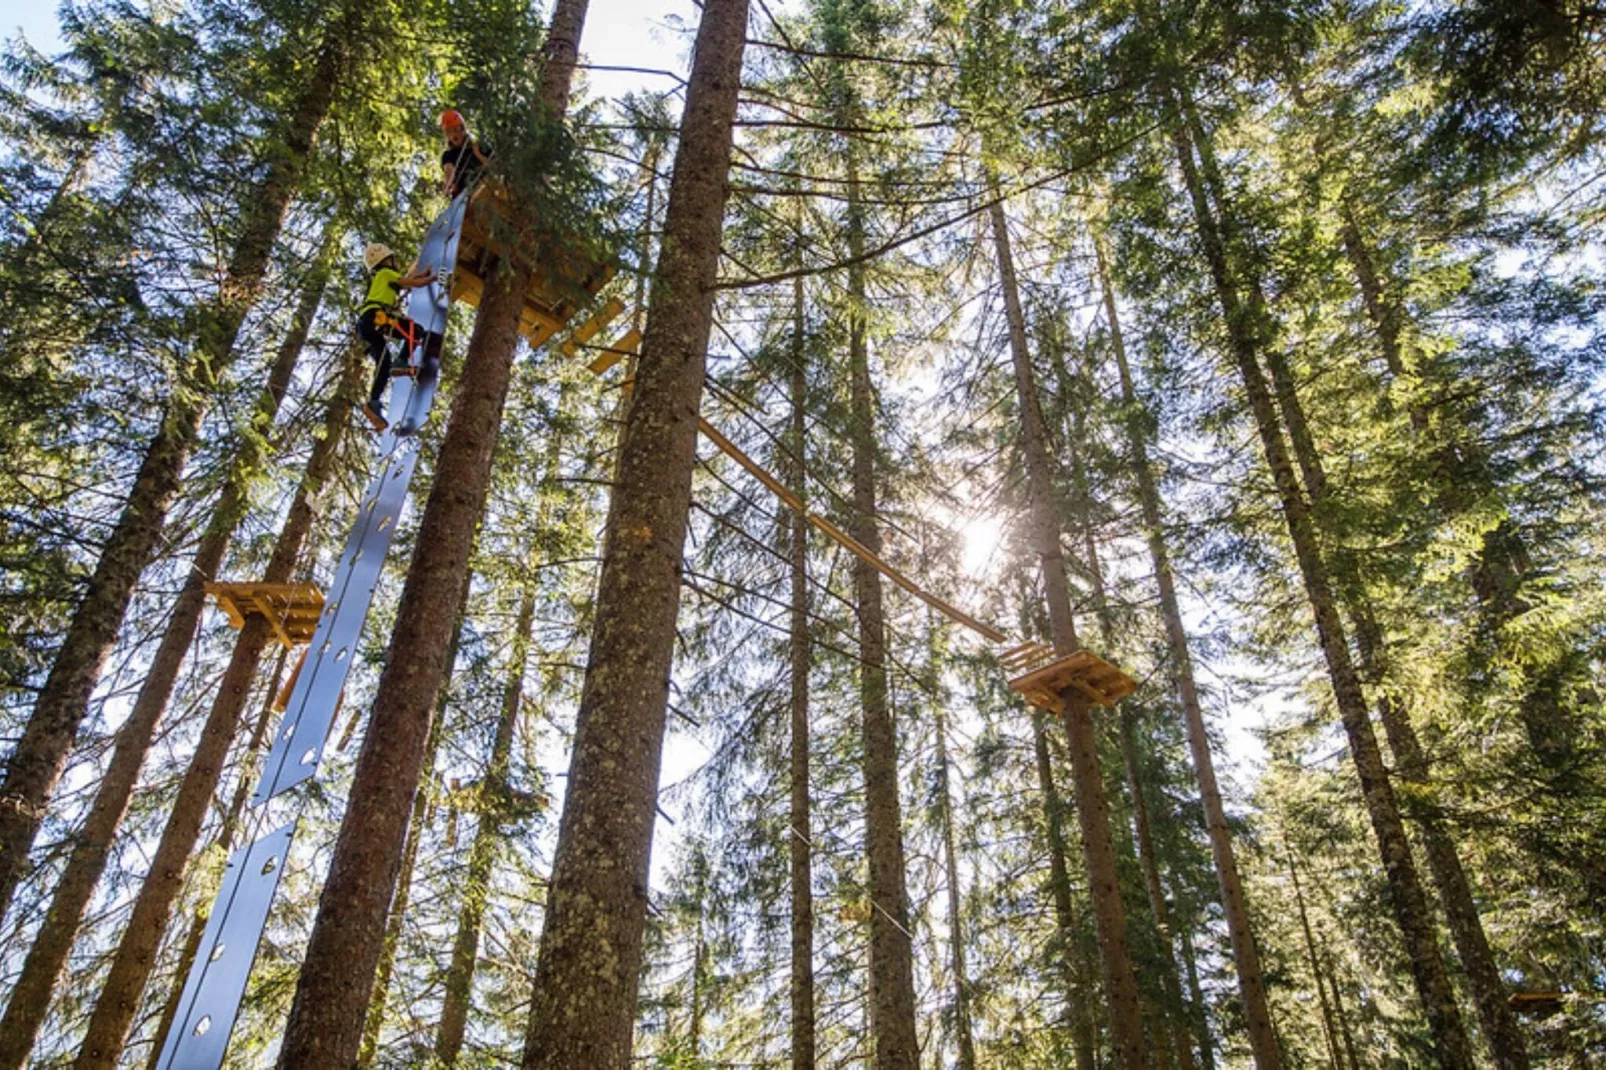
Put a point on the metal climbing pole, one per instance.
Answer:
(217, 978)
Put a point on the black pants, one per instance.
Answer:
(375, 338)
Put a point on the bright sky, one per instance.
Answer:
(34, 19)
(632, 33)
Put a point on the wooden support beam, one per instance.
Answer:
(848, 542)
(563, 280)
(619, 349)
(594, 323)
(734, 453)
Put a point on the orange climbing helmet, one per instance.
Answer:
(452, 119)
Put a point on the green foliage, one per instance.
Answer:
(1410, 195)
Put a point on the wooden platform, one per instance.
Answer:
(291, 608)
(1041, 675)
(563, 282)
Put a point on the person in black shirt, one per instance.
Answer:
(464, 155)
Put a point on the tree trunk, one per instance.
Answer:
(223, 843)
(337, 975)
(1342, 1016)
(1381, 308)
(22, 262)
(495, 802)
(583, 1007)
(40, 757)
(1120, 985)
(1496, 571)
(893, 1027)
(1500, 1027)
(1167, 1019)
(91, 847)
(1410, 906)
(1079, 989)
(956, 931)
(135, 957)
(374, 1018)
(800, 842)
(1245, 957)
(699, 955)
(1328, 1029)
(1171, 983)
(1196, 999)
(326, 1018)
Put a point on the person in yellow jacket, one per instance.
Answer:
(378, 321)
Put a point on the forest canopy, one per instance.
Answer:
(889, 533)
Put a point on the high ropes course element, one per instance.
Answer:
(457, 248)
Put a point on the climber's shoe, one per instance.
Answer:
(376, 415)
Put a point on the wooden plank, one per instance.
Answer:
(624, 347)
(859, 550)
(275, 620)
(593, 324)
(282, 699)
(225, 601)
(292, 609)
(752, 466)
(558, 278)
(1026, 654)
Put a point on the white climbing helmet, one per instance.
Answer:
(376, 254)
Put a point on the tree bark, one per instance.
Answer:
(1500, 1027)
(583, 1006)
(91, 847)
(699, 959)
(135, 957)
(326, 1017)
(40, 756)
(374, 1018)
(1167, 1018)
(893, 1028)
(495, 803)
(1328, 1029)
(337, 975)
(1245, 957)
(956, 930)
(1342, 1016)
(1171, 983)
(1410, 905)
(1381, 308)
(1120, 984)
(1079, 993)
(24, 263)
(1196, 998)
(223, 843)
(800, 842)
